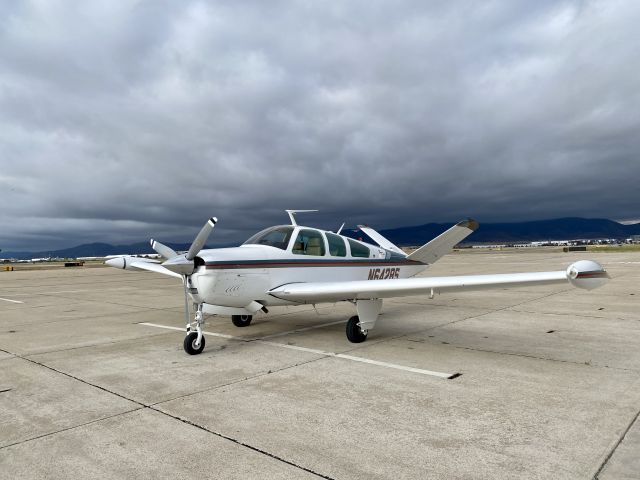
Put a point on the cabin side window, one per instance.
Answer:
(309, 242)
(358, 249)
(337, 248)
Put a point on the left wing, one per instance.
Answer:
(584, 274)
(127, 262)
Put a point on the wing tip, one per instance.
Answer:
(469, 223)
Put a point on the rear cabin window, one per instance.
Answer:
(274, 237)
(309, 242)
(337, 248)
(358, 250)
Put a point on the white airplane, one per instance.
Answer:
(294, 265)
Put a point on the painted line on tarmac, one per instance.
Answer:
(12, 301)
(320, 352)
(183, 330)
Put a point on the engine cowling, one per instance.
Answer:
(587, 274)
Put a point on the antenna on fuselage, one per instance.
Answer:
(293, 212)
(340, 229)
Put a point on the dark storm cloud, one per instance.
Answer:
(121, 121)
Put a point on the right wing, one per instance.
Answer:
(583, 274)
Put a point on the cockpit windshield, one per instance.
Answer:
(274, 237)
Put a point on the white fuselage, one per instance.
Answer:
(234, 277)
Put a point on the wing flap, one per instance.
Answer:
(366, 289)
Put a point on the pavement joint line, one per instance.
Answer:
(141, 309)
(498, 309)
(92, 345)
(141, 406)
(47, 294)
(243, 444)
(9, 300)
(318, 352)
(560, 314)
(239, 380)
(111, 280)
(615, 447)
(303, 329)
(109, 303)
(48, 434)
(523, 355)
(78, 318)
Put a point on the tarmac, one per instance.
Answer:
(94, 382)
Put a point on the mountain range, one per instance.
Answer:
(556, 229)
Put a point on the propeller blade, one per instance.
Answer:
(201, 239)
(163, 250)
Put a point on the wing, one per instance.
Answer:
(584, 274)
(136, 263)
(154, 267)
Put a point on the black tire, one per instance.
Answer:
(241, 320)
(189, 344)
(354, 333)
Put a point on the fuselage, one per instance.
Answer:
(234, 277)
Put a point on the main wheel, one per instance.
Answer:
(354, 332)
(241, 320)
(190, 343)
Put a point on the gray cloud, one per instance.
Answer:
(123, 121)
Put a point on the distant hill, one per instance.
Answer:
(93, 250)
(557, 229)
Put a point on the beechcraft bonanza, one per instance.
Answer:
(295, 265)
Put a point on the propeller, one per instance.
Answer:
(184, 264)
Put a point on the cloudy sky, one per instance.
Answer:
(130, 119)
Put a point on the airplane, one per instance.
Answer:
(294, 265)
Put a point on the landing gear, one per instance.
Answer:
(355, 334)
(191, 345)
(194, 341)
(241, 320)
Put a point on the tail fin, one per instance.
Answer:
(444, 243)
(380, 240)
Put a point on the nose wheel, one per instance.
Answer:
(191, 345)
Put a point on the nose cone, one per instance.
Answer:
(118, 262)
